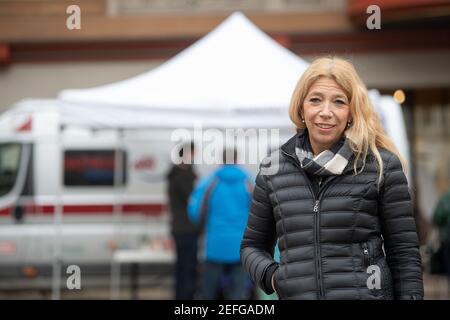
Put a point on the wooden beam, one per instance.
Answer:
(306, 43)
(53, 28)
(399, 10)
(371, 42)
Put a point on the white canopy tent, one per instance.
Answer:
(235, 76)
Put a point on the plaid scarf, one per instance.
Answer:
(329, 162)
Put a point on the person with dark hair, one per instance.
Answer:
(181, 179)
(219, 205)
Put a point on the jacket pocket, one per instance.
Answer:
(379, 278)
(371, 252)
(386, 279)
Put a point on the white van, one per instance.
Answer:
(58, 186)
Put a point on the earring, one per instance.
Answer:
(349, 124)
(303, 120)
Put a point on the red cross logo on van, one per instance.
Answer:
(144, 163)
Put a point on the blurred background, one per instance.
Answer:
(95, 197)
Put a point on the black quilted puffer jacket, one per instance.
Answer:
(346, 239)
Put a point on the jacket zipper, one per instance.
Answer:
(366, 254)
(318, 264)
(317, 248)
(316, 209)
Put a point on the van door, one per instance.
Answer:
(14, 166)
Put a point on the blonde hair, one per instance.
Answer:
(366, 132)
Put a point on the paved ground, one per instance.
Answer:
(436, 288)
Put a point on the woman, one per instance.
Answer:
(338, 203)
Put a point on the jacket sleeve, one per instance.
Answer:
(257, 246)
(196, 199)
(399, 232)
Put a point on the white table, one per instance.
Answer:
(135, 257)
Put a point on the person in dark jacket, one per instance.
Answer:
(181, 179)
(336, 198)
(441, 219)
(221, 202)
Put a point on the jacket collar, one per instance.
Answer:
(289, 146)
(288, 149)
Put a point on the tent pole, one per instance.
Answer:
(57, 221)
(118, 209)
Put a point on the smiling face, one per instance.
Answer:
(326, 112)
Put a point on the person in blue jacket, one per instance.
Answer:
(220, 204)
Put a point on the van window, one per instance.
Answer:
(9, 166)
(92, 167)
